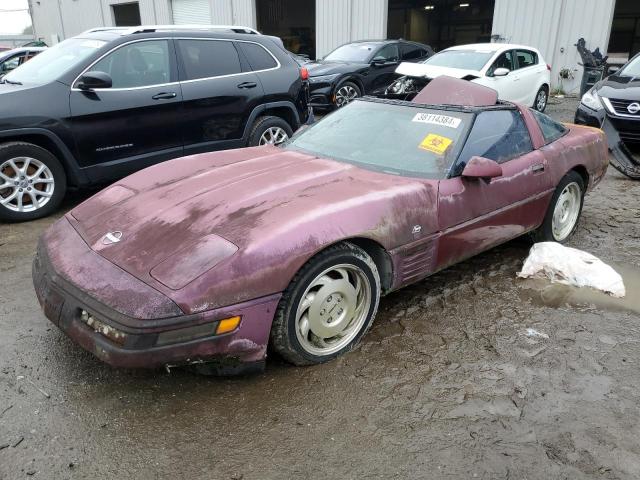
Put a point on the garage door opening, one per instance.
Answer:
(441, 23)
(126, 14)
(292, 20)
(624, 41)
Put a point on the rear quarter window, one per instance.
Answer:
(257, 56)
(499, 135)
(551, 130)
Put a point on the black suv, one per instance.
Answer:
(365, 67)
(111, 101)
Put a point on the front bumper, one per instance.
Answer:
(321, 95)
(122, 340)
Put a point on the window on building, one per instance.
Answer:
(258, 57)
(138, 64)
(208, 58)
(500, 135)
(526, 58)
(126, 14)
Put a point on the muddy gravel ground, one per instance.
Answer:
(447, 384)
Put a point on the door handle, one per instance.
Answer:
(164, 96)
(538, 168)
(247, 85)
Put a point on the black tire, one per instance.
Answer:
(347, 84)
(12, 150)
(263, 124)
(544, 233)
(543, 90)
(283, 331)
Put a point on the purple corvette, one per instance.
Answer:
(211, 259)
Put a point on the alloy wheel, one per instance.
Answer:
(566, 211)
(26, 184)
(273, 136)
(541, 100)
(345, 94)
(333, 309)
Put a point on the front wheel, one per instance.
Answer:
(542, 98)
(32, 182)
(564, 210)
(327, 307)
(346, 93)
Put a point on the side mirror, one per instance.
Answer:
(92, 80)
(480, 167)
(501, 72)
(613, 69)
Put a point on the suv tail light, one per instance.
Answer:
(548, 67)
(304, 73)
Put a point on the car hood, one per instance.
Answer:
(320, 67)
(431, 71)
(619, 87)
(224, 201)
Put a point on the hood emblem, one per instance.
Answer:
(633, 108)
(112, 237)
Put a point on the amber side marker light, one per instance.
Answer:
(227, 325)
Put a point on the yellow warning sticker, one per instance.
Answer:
(435, 143)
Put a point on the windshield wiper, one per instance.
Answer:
(10, 82)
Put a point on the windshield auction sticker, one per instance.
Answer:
(435, 143)
(435, 119)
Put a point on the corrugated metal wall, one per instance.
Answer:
(342, 21)
(233, 12)
(554, 26)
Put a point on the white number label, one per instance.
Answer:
(434, 119)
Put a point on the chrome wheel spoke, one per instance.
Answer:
(566, 212)
(18, 190)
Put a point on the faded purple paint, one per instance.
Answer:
(445, 90)
(479, 167)
(279, 208)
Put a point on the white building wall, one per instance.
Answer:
(342, 21)
(554, 27)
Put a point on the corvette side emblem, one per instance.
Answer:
(112, 237)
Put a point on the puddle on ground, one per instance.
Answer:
(542, 292)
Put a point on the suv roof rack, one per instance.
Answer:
(155, 28)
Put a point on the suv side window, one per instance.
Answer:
(138, 64)
(505, 60)
(208, 58)
(388, 53)
(12, 63)
(499, 135)
(410, 52)
(526, 58)
(258, 57)
(551, 130)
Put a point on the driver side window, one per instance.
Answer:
(505, 60)
(499, 135)
(139, 64)
(388, 53)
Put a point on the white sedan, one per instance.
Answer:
(517, 72)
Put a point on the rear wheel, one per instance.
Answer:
(564, 210)
(32, 182)
(269, 130)
(328, 307)
(542, 98)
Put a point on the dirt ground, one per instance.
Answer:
(446, 385)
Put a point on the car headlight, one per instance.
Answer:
(401, 85)
(592, 100)
(324, 78)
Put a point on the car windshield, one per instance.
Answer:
(54, 62)
(352, 52)
(463, 59)
(391, 138)
(631, 69)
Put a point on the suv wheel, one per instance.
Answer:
(346, 93)
(269, 131)
(32, 182)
